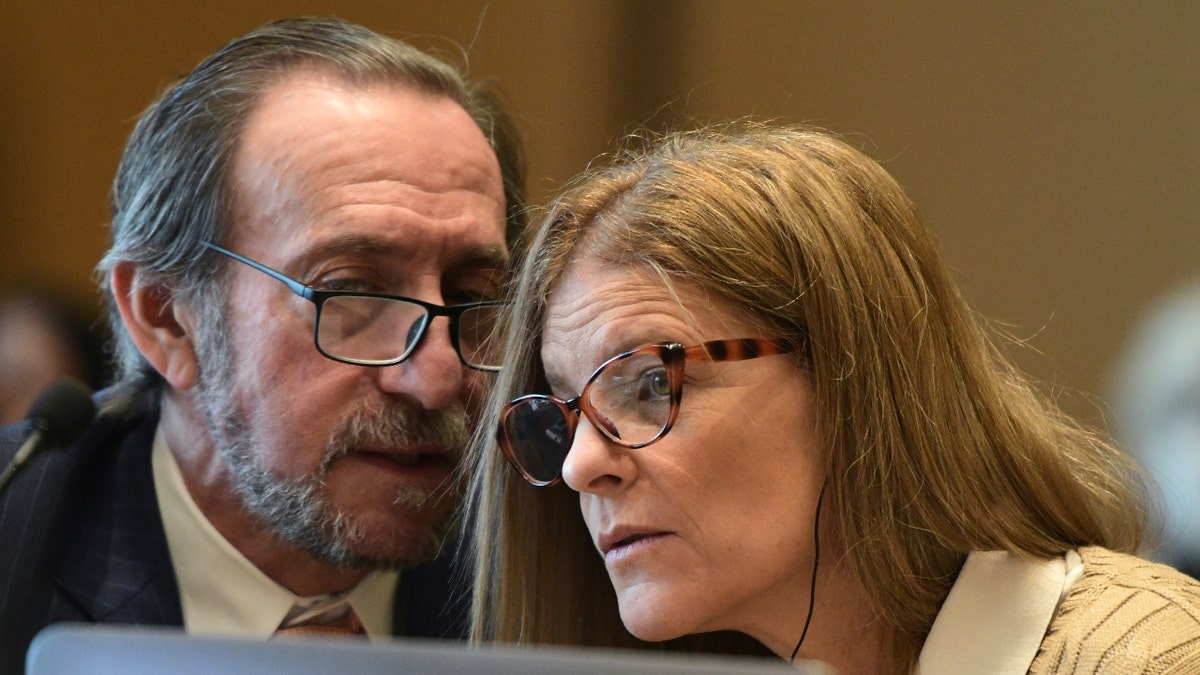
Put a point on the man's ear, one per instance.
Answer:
(162, 329)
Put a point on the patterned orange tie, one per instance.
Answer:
(342, 622)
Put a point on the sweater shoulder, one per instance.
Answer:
(1124, 614)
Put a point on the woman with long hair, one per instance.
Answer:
(742, 391)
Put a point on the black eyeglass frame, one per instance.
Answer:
(318, 298)
(673, 355)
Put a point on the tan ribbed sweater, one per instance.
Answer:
(1125, 615)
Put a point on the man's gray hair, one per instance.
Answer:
(173, 189)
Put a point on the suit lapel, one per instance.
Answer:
(116, 566)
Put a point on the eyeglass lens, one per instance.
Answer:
(628, 399)
(364, 330)
(478, 340)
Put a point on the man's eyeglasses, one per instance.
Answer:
(373, 329)
(633, 399)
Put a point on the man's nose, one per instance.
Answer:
(432, 375)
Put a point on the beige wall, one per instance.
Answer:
(1055, 149)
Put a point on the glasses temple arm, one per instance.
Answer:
(293, 285)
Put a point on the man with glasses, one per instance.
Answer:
(310, 233)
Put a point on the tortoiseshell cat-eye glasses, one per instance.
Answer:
(632, 398)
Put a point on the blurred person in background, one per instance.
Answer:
(43, 338)
(1157, 405)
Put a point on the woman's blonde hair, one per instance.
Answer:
(936, 445)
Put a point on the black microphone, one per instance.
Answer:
(58, 416)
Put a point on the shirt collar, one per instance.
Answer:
(996, 614)
(221, 592)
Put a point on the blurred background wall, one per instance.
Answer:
(1053, 147)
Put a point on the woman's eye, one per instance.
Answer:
(653, 384)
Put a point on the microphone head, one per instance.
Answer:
(62, 412)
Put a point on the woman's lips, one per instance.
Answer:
(622, 542)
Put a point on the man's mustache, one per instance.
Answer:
(396, 427)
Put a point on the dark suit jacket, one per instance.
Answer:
(81, 540)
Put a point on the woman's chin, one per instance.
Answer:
(650, 626)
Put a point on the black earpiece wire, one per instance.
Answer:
(812, 592)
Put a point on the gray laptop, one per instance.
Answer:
(79, 649)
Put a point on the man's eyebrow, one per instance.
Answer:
(490, 256)
(352, 244)
(484, 256)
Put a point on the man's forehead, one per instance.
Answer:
(304, 102)
(319, 96)
(331, 151)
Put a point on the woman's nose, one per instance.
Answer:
(594, 464)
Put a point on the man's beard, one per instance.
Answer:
(300, 510)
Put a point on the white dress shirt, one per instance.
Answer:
(224, 593)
